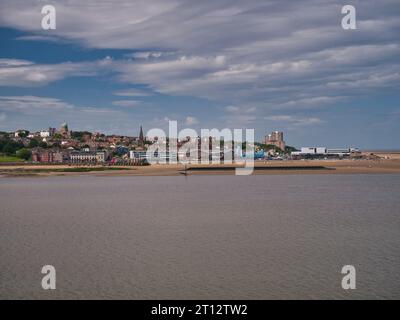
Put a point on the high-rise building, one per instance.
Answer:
(276, 139)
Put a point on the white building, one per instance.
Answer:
(321, 152)
(44, 133)
(20, 132)
(88, 156)
(134, 154)
(313, 150)
(47, 133)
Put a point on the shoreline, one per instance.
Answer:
(261, 168)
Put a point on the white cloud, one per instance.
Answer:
(4, 63)
(240, 109)
(39, 38)
(14, 72)
(34, 105)
(310, 102)
(275, 54)
(239, 120)
(148, 54)
(191, 121)
(31, 104)
(232, 109)
(294, 120)
(132, 93)
(34, 112)
(126, 103)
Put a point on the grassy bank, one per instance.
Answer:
(29, 171)
(10, 159)
(85, 169)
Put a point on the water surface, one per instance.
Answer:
(200, 237)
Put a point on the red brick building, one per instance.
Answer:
(47, 156)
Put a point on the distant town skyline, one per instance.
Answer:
(272, 66)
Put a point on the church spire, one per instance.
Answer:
(141, 137)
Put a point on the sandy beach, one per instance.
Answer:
(262, 167)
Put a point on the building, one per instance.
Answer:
(276, 139)
(141, 137)
(64, 131)
(48, 156)
(44, 134)
(324, 153)
(137, 154)
(21, 133)
(47, 133)
(88, 156)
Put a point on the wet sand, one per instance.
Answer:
(263, 167)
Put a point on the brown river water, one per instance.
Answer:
(200, 237)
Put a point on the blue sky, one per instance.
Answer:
(267, 65)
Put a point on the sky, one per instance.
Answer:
(111, 66)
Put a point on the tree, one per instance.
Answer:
(43, 144)
(8, 148)
(33, 143)
(57, 136)
(23, 133)
(11, 147)
(79, 135)
(290, 149)
(24, 153)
